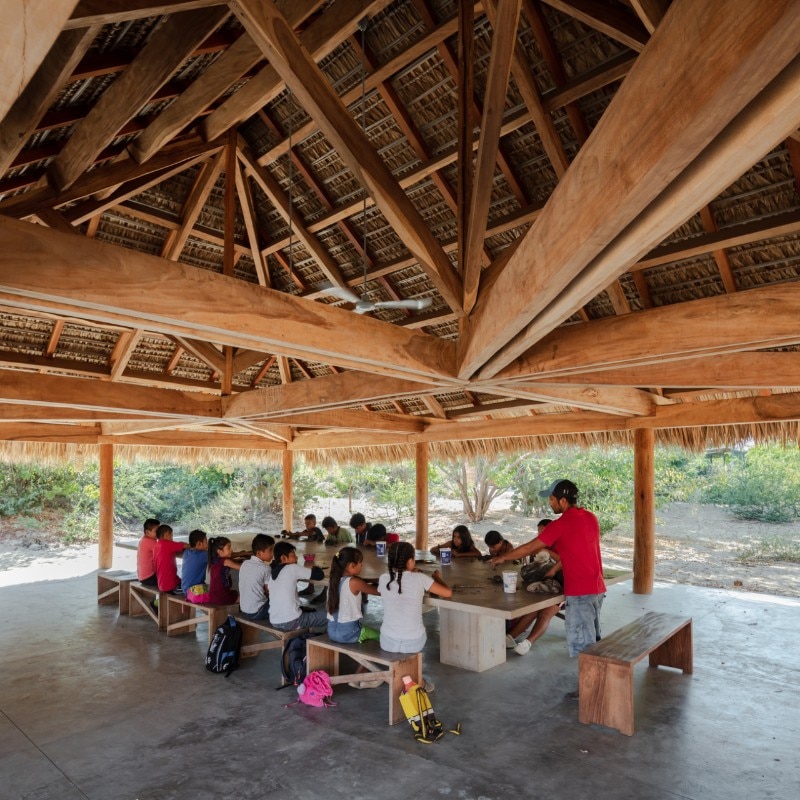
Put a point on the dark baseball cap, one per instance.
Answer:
(561, 488)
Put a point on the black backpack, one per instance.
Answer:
(223, 652)
(293, 661)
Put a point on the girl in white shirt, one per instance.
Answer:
(403, 590)
(345, 591)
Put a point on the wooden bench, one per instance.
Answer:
(113, 588)
(324, 654)
(140, 598)
(605, 670)
(252, 641)
(183, 616)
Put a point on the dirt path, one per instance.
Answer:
(698, 545)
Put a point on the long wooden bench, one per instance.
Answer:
(605, 670)
(140, 599)
(252, 636)
(324, 654)
(113, 588)
(183, 616)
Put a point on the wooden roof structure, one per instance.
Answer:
(600, 200)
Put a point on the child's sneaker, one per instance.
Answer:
(523, 647)
(511, 643)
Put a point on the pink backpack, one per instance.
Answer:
(316, 690)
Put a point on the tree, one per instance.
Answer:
(480, 482)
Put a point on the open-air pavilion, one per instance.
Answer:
(407, 228)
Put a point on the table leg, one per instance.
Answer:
(471, 641)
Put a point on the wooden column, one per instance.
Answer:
(422, 495)
(288, 493)
(644, 520)
(105, 549)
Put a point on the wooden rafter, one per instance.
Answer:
(103, 282)
(505, 21)
(299, 71)
(166, 49)
(660, 148)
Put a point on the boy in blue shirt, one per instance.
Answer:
(195, 561)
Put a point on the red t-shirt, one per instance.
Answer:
(166, 569)
(145, 566)
(575, 536)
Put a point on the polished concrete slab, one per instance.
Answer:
(93, 705)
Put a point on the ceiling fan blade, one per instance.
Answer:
(342, 292)
(416, 305)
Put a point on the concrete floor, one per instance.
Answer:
(97, 706)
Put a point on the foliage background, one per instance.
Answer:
(759, 483)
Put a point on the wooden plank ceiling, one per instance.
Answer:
(594, 203)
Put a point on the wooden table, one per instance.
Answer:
(472, 630)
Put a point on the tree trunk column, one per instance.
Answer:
(422, 495)
(105, 550)
(644, 519)
(288, 492)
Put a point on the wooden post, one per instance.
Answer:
(422, 495)
(105, 550)
(643, 510)
(288, 494)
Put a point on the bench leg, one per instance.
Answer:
(321, 658)
(676, 651)
(178, 613)
(107, 591)
(410, 666)
(124, 597)
(605, 693)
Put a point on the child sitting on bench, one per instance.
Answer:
(220, 565)
(285, 611)
(254, 578)
(403, 591)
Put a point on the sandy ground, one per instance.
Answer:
(697, 545)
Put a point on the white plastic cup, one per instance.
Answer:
(509, 581)
(444, 556)
(380, 548)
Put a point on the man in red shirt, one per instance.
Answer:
(575, 537)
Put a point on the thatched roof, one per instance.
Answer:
(598, 213)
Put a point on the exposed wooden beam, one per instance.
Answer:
(504, 19)
(756, 319)
(166, 49)
(650, 12)
(250, 216)
(748, 370)
(772, 227)
(353, 419)
(237, 60)
(45, 270)
(733, 411)
(610, 400)
(280, 201)
(109, 12)
(299, 71)
(613, 22)
(206, 179)
(321, 37)
(64, 392)
(178, 157)
(204, 351)
(122, 352)
(325, 393)
(30, 28)
(601, 195)
(24, 115)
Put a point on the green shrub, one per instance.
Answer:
(763, 486)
